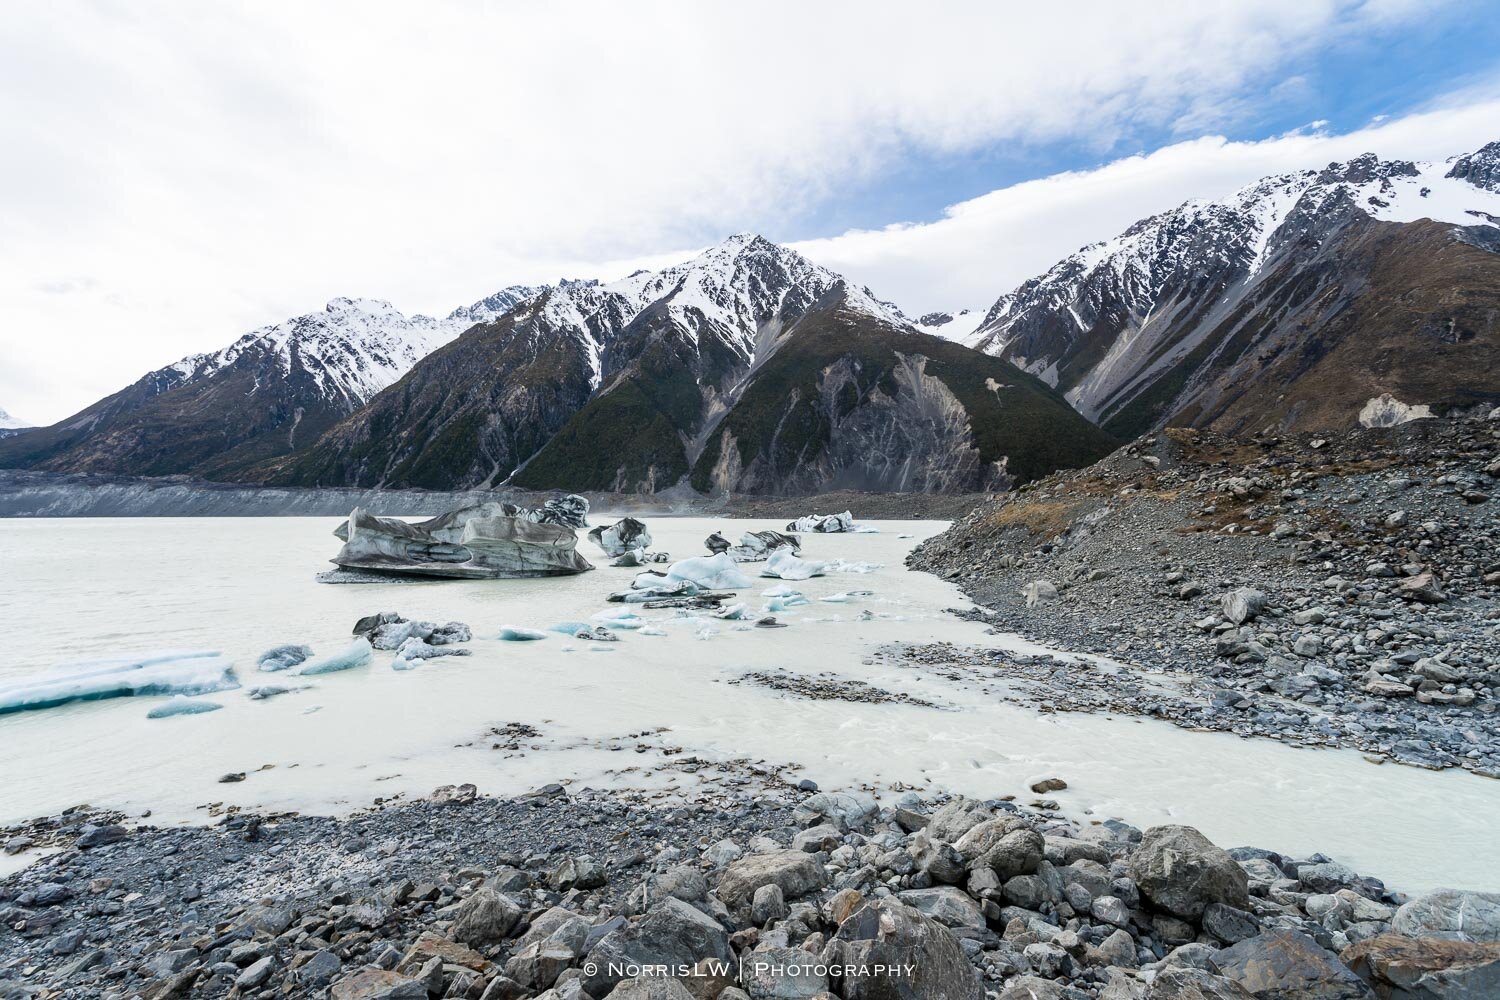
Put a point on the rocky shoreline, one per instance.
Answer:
(761, 890)
(1335, 590)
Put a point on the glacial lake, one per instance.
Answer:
(571, 711)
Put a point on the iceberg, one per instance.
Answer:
(282, 657)
(392, 634)
(620, 619)
(823, 523)
(710, 572)
(639, 557)
(783, 603)
(733, 613)
(356, 654)
(625, 535)
(486, 541)
(515, 633)
(786, 566)
(263, 691)
(191, 673)
(597, 634)
(754, 546)
(182, 705)
(414, 650)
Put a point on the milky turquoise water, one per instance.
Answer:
(76, 589)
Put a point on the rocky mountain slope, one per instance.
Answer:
(1337, 590)
(270, 392)
(1290, 303)
(636, 384)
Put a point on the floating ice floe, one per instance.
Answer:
(515, 633)
(654, 587)
(734, 613)
(596, 634)
(389, 630)
(283, 657)
(784, 565)
(182, 705)
(710, 572)
(568, 628)
(792, 600)
(844, 597)
(414, 650)
(356, 654)
(650, 630)
(639, 557)
(705, 633)
(263, 691)
(200, 672)
(620, 619)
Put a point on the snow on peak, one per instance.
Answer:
(10, 423)
(958, 327)
(1240, 232)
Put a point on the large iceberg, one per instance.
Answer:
(482, 542)
(718, 572)
(162, 673)
(621, 537)
(823, 522)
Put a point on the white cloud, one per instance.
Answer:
(988, 245)
(172, 174)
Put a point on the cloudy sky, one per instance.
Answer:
(173, 174)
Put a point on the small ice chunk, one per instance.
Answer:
(785, 566)
(785, 603)
(599, 634)
(263, 691)
(780, 590)
(705, 633)
(414, 650)
(620, 619)
(718, 572)
(356, 654)
(182, 705)
(200, 672)
(846, 566)
(651, 630)
(733, 613)
(568, 628)
(515, 633)
(844, 597)
(282, 657)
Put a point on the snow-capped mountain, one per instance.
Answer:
(10, 425)
(1183, 316)
(638, 383)
(271, 391)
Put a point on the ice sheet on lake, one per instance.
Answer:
(356, 654)
(182, 705)
(198, 672)
(718, 572)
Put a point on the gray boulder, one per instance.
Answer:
(486, 917)
(672, 934)
(948, 906)
(1187, 983)
(1286, 965)
(1426, 968)
(892, 934)
(1242, 604)
(1449, 913)
(796, 873)
(1181, 871)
